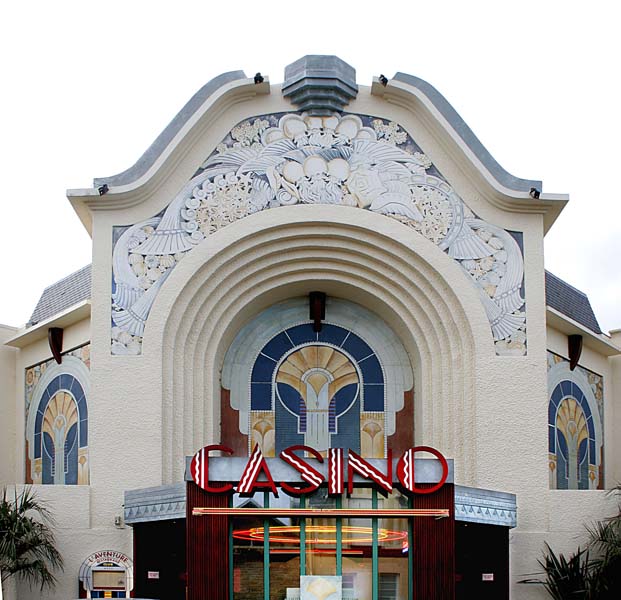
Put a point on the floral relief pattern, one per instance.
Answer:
(286, 159)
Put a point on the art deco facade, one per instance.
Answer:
(319, 264)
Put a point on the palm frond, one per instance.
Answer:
(27, 544)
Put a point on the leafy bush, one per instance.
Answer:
(586, 578)
(567, 578)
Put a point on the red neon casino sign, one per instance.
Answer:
(311, 478)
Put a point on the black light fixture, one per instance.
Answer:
(103, 189)
(574, 350)
(258, 78)
(55, 341)
(383, 80)
(317, 306)
(534, 193)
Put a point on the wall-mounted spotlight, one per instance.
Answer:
(535, 193)
(258, 78)
(383, 80)
(103, 189)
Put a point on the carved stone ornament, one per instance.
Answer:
(350, 160)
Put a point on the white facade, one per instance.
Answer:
(480, 402)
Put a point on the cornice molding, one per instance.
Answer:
(136, 184)
(503, 190)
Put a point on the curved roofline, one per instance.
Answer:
(153, 152)
(445, 108)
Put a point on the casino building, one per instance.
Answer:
(316, 356)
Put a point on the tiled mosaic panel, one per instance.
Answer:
(575, 426)
(57, 444)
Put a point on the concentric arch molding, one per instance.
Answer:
(284, 159)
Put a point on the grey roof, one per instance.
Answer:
(438, 100)
(144, 163)
(571, 302)
(468, 136)
(61, 295)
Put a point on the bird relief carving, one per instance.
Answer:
(286, 159)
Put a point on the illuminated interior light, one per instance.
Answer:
(321, 551)
(290, 534)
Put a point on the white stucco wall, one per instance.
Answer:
(7, 407)
(487, 412)
(147, 412)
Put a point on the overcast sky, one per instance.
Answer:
(87, 86)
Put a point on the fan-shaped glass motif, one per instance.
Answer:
(572, 437)
(322, 389)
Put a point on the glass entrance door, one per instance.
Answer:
(323, 558)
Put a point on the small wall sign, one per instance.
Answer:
(487, 576)
(153, 574)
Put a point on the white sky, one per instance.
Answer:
(87, 86)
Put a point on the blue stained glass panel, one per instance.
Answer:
(39, 418)
(582, 451)
(557, 395)
(37, 445)
(358, 348)
(590, 427)
(290, 397)
(82, 406)
(65, 381)
(562, 443)
(333, 334)
(551, 438)
(277, 346)
(76, 388)
(562, 482)
(552, 413)
(53, 386)
(371, 370)
(71, 457)
(302, 334)
(566, 387)
(583, 476)
(260, 396)
(83, 433)
(344, 398)
(48, 459)
(263, 369)
(374, 398)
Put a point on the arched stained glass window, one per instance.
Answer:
(285, 384)
(322, 389)
(59, 444)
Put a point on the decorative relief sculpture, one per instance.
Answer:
(285, 159)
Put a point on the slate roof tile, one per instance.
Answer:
(61, 295)
(571, 302)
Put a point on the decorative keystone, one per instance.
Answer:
(320, 85)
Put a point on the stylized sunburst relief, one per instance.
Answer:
(348, 160)
(317, 384)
